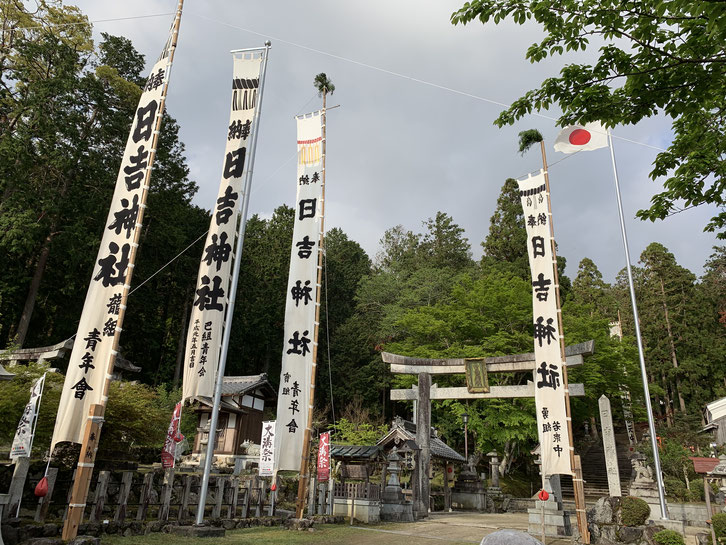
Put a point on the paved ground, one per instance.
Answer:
(471, 528)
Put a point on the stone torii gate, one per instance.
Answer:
(424, 393)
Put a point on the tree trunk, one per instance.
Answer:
(674, 359)
(593, 429)
(668, 403)
(24, 324)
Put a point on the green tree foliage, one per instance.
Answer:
(654, 57)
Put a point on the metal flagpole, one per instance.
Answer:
(32, 433)
(232, 294)
(636, 322)
(95, 416)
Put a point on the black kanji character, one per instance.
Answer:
(292, 426)
(307, 208)
(558, 450)
(556, 437)
(295, 389)
(94, 337)
(286, 377)
(304, 180)
(306, 247)
(286, 391)
(542, 218)
(234, 163)
(550, 376)
(541, 287)
(239, 130)
(135, 171)
(80, 387)
(218, 252)
(544, 332)
(208, 297)
(556, 425)
(202, 371)
(545, 413)
(145, 121)
(315, 178)
(299, 293)
(155, 80)
(225, 205)
(126, 217)
(294, 406)
(299, 345)
(87, 360)
(110, 262)
(114, 304)
(531, 221)
(546, 427)
(109, 328)
(538, 247)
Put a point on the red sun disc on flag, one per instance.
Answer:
(579, 137)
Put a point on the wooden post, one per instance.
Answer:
(580, 506)
(184, 508)
(311, 495)
(447, 489)
(709, 512)
(99, 497)
(123, 496)
(273, 497)
(423, 440)
(44, 503)
(68, 496)
(17, 485)
(84, 470)
(331, 495)
(233, 494)
(89, 446)
(217, 509)
(166, 490)
(246, 504)
(145, 496)
(260, 497)
(579, 489)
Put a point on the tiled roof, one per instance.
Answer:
(243, 384)
(407, 430)
(358, 452)
(704, 465)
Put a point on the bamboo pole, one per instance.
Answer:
(305, 458)
(89, 446)
(579, 498)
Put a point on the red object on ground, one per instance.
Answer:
(543, 495)
(273, 487)
(41, 489)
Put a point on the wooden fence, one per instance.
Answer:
(163, 495)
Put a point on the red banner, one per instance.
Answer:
(173, 438)
(324, 457)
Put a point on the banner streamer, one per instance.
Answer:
(549, 387)
(267, 449)
(293, 402)
(173, 438)
(207, 322)
(23, 440)
(105, 304)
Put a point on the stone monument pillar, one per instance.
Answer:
(644, 486)
(608, 442)
(393, 506)
(494, 489)
(556, 519)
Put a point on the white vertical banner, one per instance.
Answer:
(23, 441)
(549, 388)
(293, 402)
(106, 296)
(206, 325)
(267, 449)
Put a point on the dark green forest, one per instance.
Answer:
(65, 109)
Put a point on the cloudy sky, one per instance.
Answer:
(413, 134)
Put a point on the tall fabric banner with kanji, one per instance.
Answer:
(549, 388)
(23, 441)
(206, 325)
(93, 347)
(173, 438)
(324, 457)
(293, 402)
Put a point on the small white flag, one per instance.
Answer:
(582, 138)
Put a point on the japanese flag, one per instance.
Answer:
(582, 138)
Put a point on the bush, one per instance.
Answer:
(668, 537)
(634, 511)
(676, 489)
(719, 525)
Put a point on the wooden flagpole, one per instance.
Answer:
(91, 435)
(578, 490)
(305, 458)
